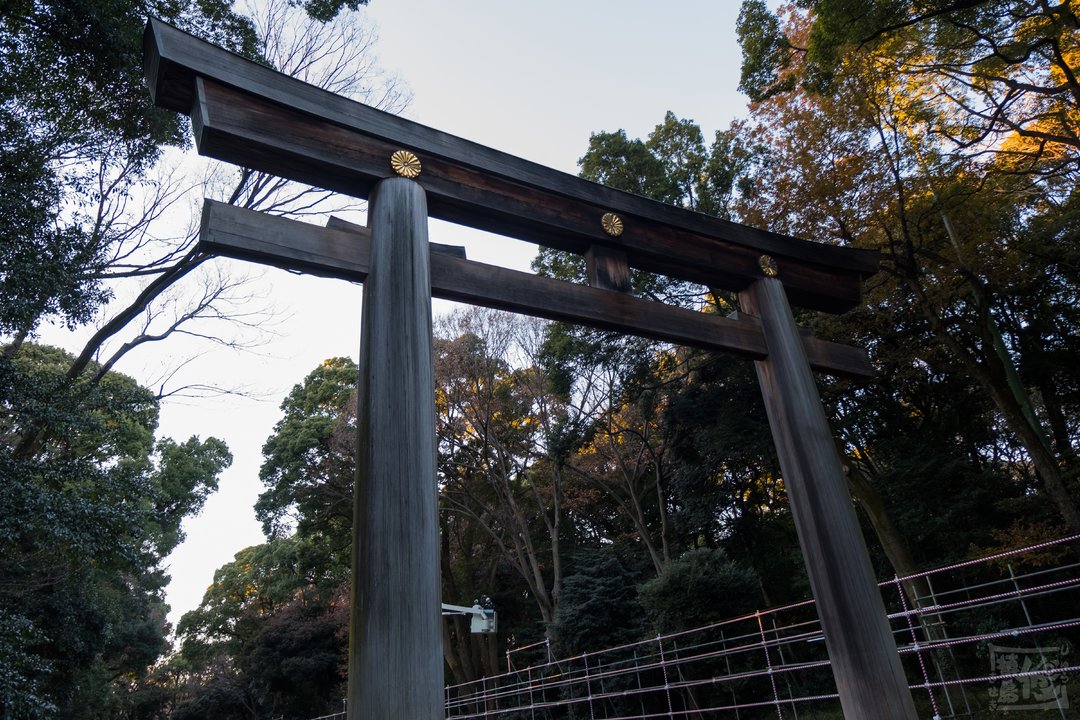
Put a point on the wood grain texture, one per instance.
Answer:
(337, 252)
(336, 223)
(865, 662)
(245, 234)
(263, 119)
(608, 269)
(395, 631)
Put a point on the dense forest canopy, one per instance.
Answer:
(92, 499)
(599, 488)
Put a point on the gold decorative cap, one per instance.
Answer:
(612, 224)
(405, 164)
(768, 266)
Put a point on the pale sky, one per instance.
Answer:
(530, 78)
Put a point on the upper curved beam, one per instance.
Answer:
(250, 114)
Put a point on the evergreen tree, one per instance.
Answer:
(88, 522)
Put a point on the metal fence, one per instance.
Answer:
(978, 639)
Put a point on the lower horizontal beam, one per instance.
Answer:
(345, 253)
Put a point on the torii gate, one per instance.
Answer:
(248, 114)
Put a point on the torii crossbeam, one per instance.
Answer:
(253, 116)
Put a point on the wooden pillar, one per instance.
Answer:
(395, 639)
(861, 647)
(607, 268)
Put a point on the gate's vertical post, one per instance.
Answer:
(395, 655)
(865, 662)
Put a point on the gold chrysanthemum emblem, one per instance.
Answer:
(405, 164)
(612, 224)
(768, 266)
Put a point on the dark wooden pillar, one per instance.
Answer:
(395, 638)
(861, 647)
(607, 268)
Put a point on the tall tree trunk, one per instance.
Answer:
(12, 348)
(661, 505)
(457, 655)
(892, 540)
(917, 589)
(996, 373)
